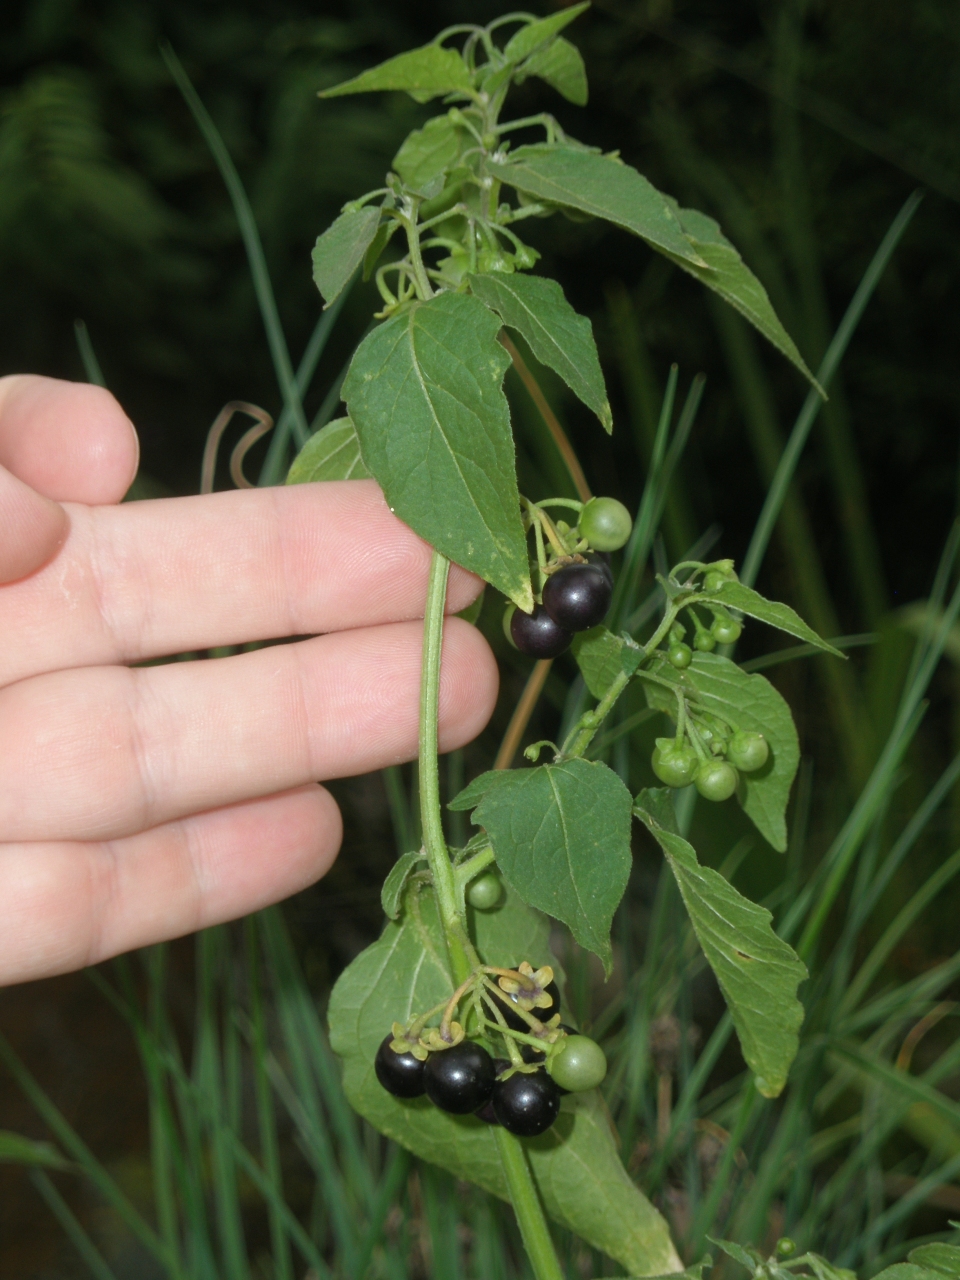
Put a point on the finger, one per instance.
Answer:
(68, 440)
(66, 905)
(32, 528)
(106, 752)
(152, 578)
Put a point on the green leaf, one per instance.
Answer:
(758, 972)
(425, 394)
(332, 453)
(341, 249)
(725, 272)
(395, 885)
(907, 1271)
(474, 791)
(15, 1149)
(735, 595)
(582, 1183)
(751, 703)
(938, 1257)
(600, 186)
(561, 834)
(561, 66)
(602, 657)
(429, 152)
(535, 34)
(423, 73)
(559, 337)
(377, 245)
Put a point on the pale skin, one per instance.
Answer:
(140, 804)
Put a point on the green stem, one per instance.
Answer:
(523, 1193)
(434, 840)
(527, 1207)
(585, 730)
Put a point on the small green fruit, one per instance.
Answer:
(605, 523)
(485, 892)
(580, 1064)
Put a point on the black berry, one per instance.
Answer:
(526, 1103)
(459, 1080)
(400, 1073)
(577, 596)
(537, 634)
(486, 1112)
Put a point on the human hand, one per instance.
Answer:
(141, 804)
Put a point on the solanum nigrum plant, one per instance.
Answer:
(451, 1027)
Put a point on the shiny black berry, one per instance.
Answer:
(459, 1080)
(577, 596)
(400, 1073)
(486, 1112)
(526, 1103)
(602, 561)
(537, 634)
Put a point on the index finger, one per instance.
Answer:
(152, 578)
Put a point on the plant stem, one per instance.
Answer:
(434, 840)
(521, 716)
(526, 1205)
(550, 418)
(523, 1192)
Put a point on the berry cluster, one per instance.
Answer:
(577, 581)
(709, 751)
(521, 1092)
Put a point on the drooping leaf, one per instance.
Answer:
(602, 657)
(735, 595)
(750, 703)
(600, 186)
(559, 337)
(16, 1149)
(758, 972)
(560, 66)
(395, 885)
(561, 834)
(533, 35)
(341, 249)
(332, 453)
(429, 152)
(728, 275)
(424, 73)
(578, 1172)
(425, 393)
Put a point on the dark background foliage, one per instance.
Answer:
(801, 126)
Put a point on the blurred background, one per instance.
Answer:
(802, 127)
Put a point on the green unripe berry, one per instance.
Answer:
(680, 656)
(490, 141)
(716, 780)
(508, 613)
(705, 641)
(580, 1064)
(748, 751)
(676, 766)
(605, 523)
(485, 892)
(785, 1247)
(726, 631)
(718, 573)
